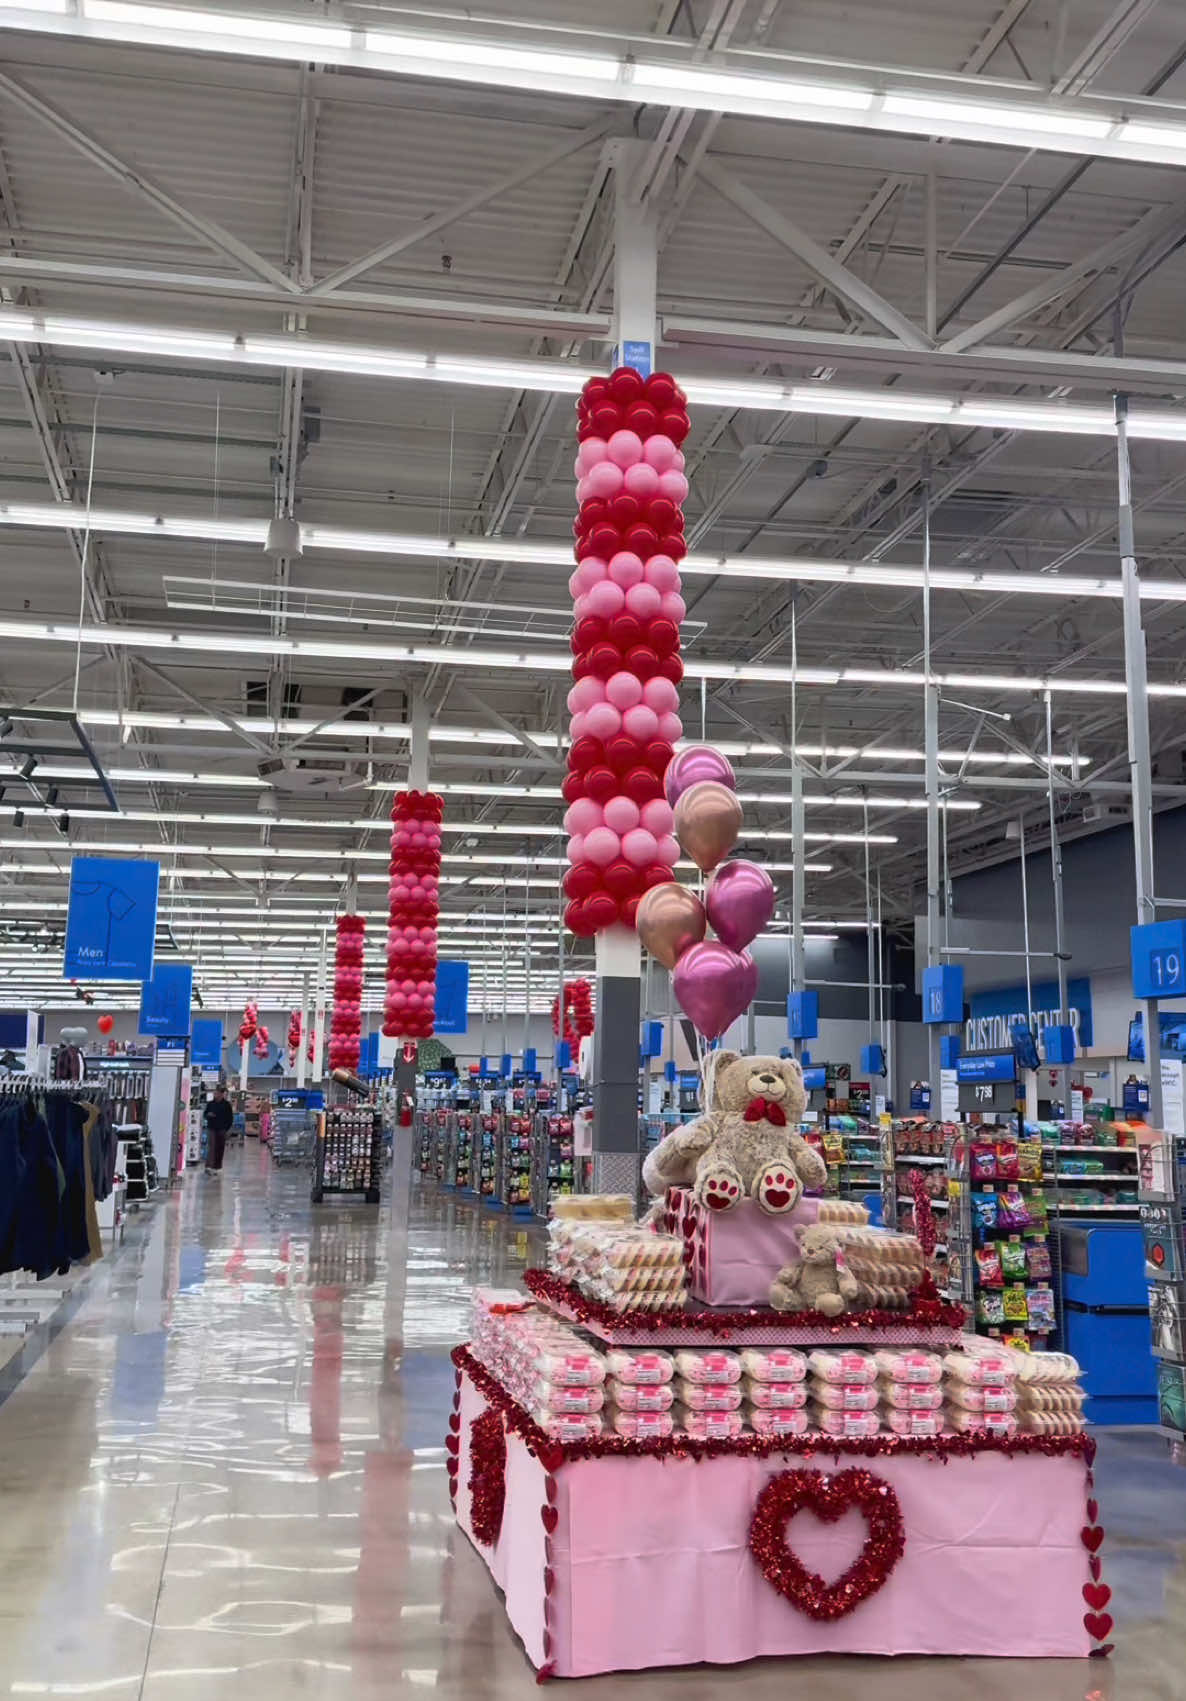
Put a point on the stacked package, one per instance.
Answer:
(843, 1391)
(708, 1394)
(1049, 1397)
(542, 1363)
(909, 1382)
(624, 1266)
(774, 1387)
(638, 1392)
(978, 1385)
(888, 1266)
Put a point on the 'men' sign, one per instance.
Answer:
(990, 1025)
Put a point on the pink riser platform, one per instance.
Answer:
(651, 1565)
(735, 1255)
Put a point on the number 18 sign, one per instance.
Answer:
(1159, 959)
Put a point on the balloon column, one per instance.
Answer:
(627, 611)
(714, 979)
(573, 1021)
(294, 1038)
(249, 1026)
(413, 907)
(345, 1027)
(262, 1043)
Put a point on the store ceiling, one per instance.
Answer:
(185, 191)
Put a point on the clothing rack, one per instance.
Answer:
(10, 1085)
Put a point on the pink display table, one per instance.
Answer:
(616, 1555)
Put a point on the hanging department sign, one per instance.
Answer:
(990, 1025)
(111, 919)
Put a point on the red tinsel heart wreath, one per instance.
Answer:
(487, 1475)
(828, 1497)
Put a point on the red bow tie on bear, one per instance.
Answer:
(766, 1110)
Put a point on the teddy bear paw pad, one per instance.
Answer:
(720, 1190)
(777, 1188)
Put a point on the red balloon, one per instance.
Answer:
(105, 1024)
(640, 785)
(576, 919)
(605, 659)
(674, 544)
(657, 756)
(601, 783)
(626, 384)
(675, 424)
(601, 910)
(620, 879)
(621, 752)
(643, 418)
(590, 629)
(597, 390)
(662, 635)
(583, 547)
(662, 513)
(580, 881)
(671, 667)
(643, 540)
(642, 662)
(606, 539)
(655, 874)
(595, 508)
(606, 418)
(579, 527)
(573, 787)
(628, 911)
(625, 630)
(624, 511)
(660, 389)
(586, 753)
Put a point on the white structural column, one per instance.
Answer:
(616, 1157)
(302, 1056)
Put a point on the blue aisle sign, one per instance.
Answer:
(639, 355)
(943, 993)
(206, 1042)
(451, 1008)
(993, 1014)
(165, 1000)
(111, 919)
(1158, 959)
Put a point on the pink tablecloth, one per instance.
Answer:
(651, 1565)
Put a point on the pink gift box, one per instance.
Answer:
(733, 1256)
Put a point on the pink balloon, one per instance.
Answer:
(578, 725)
(659, 451)
(625, 447)
(658, 817)
(580, 606)
(605, 480)
(644, 601)
(658, 694)
(602, 721)
(621, 814)
(671, 728)
(575, 849)
(739, 902)
(583, 491)
(578, 466)
(592, 569)
(673, 485)
(680, 462)
(583, 815)
(641, 723)
(640, 848)
(713, 985)
(642, 480)
(623, 689)
(625, 569)
(662, 572)
(606, 599)
(602, 846)
(591, 453)
(668, 850)
(673, 607)
(575, 586)
(586, 692)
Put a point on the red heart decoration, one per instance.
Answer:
(1092, 1537)
(548, 1552)
(454, 1422)
(452, 1466)
(1097, 1624)
(689, 1226)
(1100, 1653)
(457, 1401)
(1093, 1511)
(487, 1476)
(452, 1444)
(1097, 1595)
(546, 1672)
(550, 1517)
(549, 1579)
(548, 1644)
(828, 1497)
(1093, 1565)
(669, 1222)
(550, 1490)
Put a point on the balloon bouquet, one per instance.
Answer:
(714, 979)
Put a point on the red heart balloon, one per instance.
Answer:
(829, 1498)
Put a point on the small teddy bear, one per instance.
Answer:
(748, 1145)
(821, 1281)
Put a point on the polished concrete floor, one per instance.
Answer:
(223, 1477)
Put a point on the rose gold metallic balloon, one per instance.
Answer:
(670, 918)
(707, 822)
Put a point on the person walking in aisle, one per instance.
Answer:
(219, 1117)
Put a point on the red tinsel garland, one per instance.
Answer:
(829, 1498)
(487, 1475)
(553, 1454)
(928, 1311)
(345, 1028)
(924, 1216)
(409, 1009)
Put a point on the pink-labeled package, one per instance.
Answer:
(714, 1367)
(995, 1423)
(911, 1396)
(551, 1397)
(568, 1426)
(846, 1396)
(708, 1426)
(568, 1369)
(908, 1365)
(838, 1364)
(707, 1397)
(640, 1367)
(975, 1397)
(633, 1397)
(774, 1364)
(778, 1422)
(844, 1423)
(640, 1426)
(914, 1423)
(978, 1366)
(775, 1396)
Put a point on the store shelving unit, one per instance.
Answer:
(1002, 1252)
(553, 1169)
(348, 1153)
(514, 1173)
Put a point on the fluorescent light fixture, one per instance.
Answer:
(1058, 122)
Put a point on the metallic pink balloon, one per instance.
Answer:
(713, 985)
(689, 767)
(739, 902)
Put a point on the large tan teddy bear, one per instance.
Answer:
(748, 1145)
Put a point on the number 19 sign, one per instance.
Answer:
(1159, 959)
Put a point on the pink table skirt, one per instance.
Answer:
(648, 1564)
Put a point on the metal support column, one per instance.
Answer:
(798, 966)
(404, 1070)
(931, 750)
(1064, 1074)
(302, 1048)
(1139, 759)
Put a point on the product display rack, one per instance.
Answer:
(514, 1185)
(1090, 1168)
(486, 1166)
(1002, 1257)
(1162, 1185)
(553, 1169)
(349, 1152)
